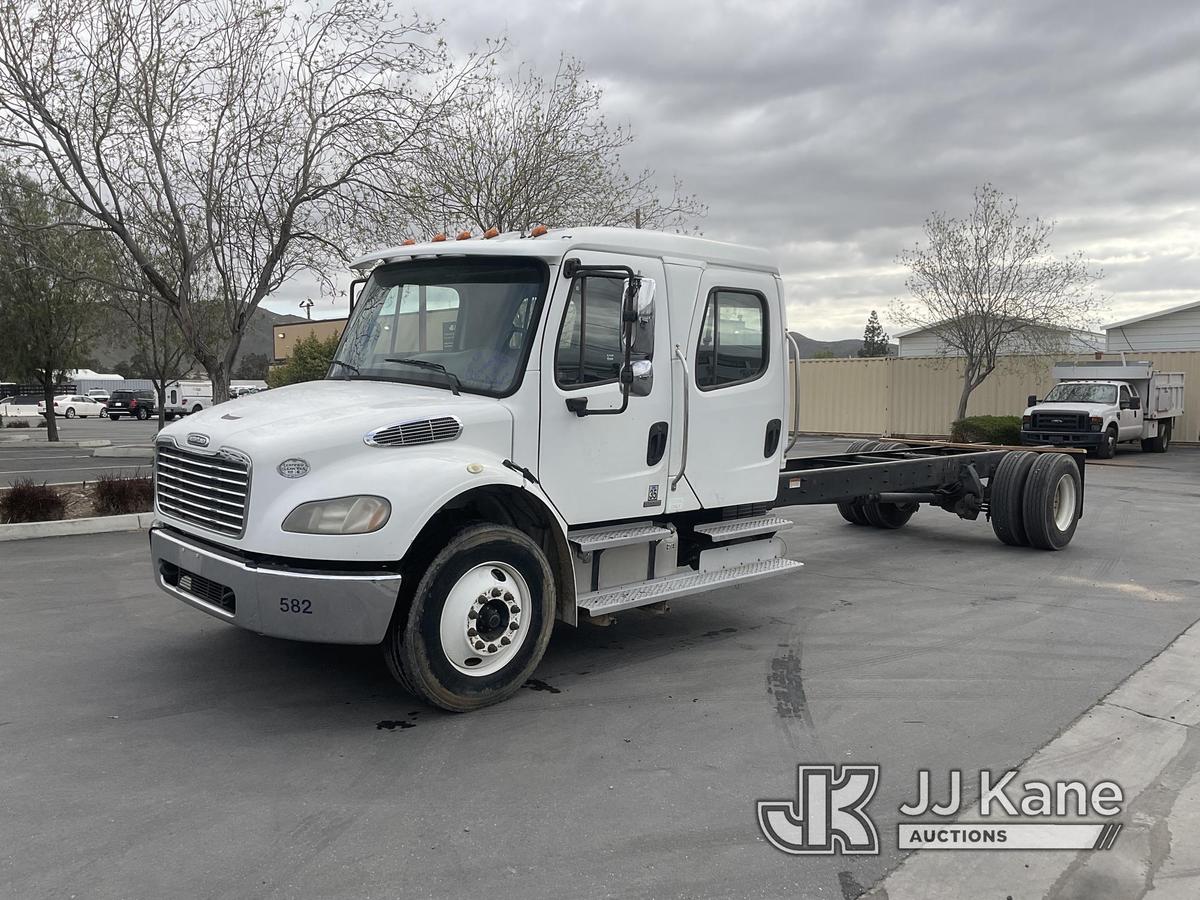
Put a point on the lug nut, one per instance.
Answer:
(514, 609)
(473, 614)
(496, 592)
(504, 641)
(479, 645)
(513, 626)
(471, 632)
(508, 598)
(491, 648)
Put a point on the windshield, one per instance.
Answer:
(1082, 393)
(472, 318)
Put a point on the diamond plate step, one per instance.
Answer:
(736, 528)
(611, 600)
(617, 536)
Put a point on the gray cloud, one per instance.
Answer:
(829, 131)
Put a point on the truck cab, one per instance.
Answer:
(515, 430)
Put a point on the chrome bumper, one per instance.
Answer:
(327, 607)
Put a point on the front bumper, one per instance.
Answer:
(293, 602)
(1063, 438)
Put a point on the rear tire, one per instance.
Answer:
(1052, 502)
(889, 515)
(70, 412)
(1007, 497)
(113, 417)
(484, 571)
(1161, 441)
(852, 510)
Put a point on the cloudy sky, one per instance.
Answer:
(827, 131)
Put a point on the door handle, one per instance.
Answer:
(656, 444)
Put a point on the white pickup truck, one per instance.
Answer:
(1097, 405)
(521, 429)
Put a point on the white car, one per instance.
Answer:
(72, 405)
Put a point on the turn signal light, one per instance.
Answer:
(491, 232)
(438, 238)
(463, 236)
(538, 231)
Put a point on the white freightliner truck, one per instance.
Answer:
(523, 429)
(1098, 404)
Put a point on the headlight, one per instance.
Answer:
(342, 515)
(1025, 421)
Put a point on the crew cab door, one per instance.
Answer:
(599, 467)
(736, 389)
(1131, 419)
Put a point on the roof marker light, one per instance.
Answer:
(407, 242)
(463, 236)
(491, 232)
(538, 231)
(438, 238)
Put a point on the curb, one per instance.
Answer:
(14, 439)
(20, 531)
(124, 452)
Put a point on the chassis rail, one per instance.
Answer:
(921, 472)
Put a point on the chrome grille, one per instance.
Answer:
(1060, 421)
(420, 431)
(206, 489)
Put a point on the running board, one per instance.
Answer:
(611, 600)
(617, 536)
(729, 529)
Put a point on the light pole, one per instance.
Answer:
(306, 304)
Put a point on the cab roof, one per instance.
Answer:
(556, 242)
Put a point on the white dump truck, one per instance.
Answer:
(1099, 404)
(525, 429)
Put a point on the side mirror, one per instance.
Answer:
(1031, 400)
(642, 305)
(643, 377)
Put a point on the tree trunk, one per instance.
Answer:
(160, 389)
(964, 396)
(218, 374)
(48, 396)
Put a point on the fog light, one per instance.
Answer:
(341, 515)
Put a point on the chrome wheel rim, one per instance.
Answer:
(485, 619)
(1065, 499)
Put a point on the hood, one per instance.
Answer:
(1070, 407)
(326, 415)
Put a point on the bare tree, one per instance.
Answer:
(226, 146)
(525, 151)
(986, 284)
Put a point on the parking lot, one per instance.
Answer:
(148, 745)
(66, 465)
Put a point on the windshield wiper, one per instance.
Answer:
(352, 368)
(455, 384)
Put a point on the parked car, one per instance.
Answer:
(72, 405)
(100, 395)
(136, 404)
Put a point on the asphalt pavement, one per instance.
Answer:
(151, 751)
(66, 465)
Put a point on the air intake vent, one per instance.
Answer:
(420, 431)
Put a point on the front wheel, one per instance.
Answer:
(70, 412)
(478, 622)
(1108, 445)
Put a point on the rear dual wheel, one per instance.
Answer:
(872, 512)
(477, 622)
(1035, 500)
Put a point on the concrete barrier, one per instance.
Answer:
(20, 531)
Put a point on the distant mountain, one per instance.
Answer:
(259, 339)
(811, 347)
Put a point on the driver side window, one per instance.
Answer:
(589, 343)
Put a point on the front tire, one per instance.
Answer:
(1108, 447)
(478, 622)
(70, 412)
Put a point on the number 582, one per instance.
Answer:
(295, 605)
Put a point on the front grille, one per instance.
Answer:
(200, 587)
(1056, 421)
(421, 431)
(206, 489)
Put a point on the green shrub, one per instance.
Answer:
(29, 502)
(117, 495)
(987, 430)
(17, 423)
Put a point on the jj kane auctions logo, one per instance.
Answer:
(829, 814)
